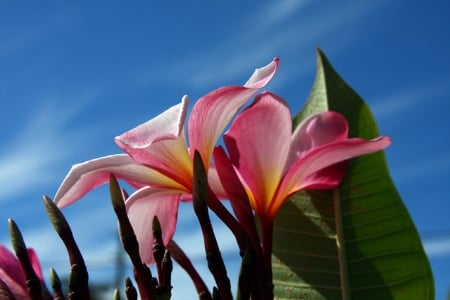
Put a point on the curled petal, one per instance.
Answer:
(142, 206)
(258, 143)
(317, 130)
(86, 176)
(308, 171)
(160, 143)
(261, 76)
(212, 113)
(167, 125)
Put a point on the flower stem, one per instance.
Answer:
(340, 243)
(213, 255)
(76, 259)
(129, 241)
(267, 234)
(182, 259)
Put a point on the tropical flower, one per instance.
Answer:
(272, 162)
(12, 278)
(158, 161)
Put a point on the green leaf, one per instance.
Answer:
(357, 241)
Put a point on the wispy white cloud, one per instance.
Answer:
(263, 35)
(418, 169)
(409, 99)
(37, 145)
(437, 247)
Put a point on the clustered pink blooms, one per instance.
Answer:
(269, 160)
(12, 278)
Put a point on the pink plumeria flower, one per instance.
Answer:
(12, 275)
(272, 162)
(159, 162)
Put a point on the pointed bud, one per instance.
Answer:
(129, 241)
(33, 282)
(130, 290)
(183, 260)
(167, 268)
(116, 295)
(213, 255)
(158, 244)
(117, 197)
(76, 259)
(56, 285)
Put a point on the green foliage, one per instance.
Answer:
(358, 241)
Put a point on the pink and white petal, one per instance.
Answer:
(168, 125)
(87, 176)
(142, 206)
(317, 130)
(258, 143)
(302, 174)
(262, 76)
(213, 112)
(161, 143)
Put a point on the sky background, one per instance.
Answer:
(75, 75)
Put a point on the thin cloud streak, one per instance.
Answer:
(253, 46)
(437, 247)
(409, 99)
(38, 147)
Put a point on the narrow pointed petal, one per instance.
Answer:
(317, 130)
(160, 143)
(87, 176)
(35, 263)
(212, 113)
(308, 171)
(236, 193)
(142, 206)
(258, 143)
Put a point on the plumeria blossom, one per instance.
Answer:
(12, 276)
(159, 162)
(273, 162)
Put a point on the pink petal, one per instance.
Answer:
(236, 193)
(86, 176)
(307, 172)
(317, 130)
(212, 113)
(215, 183)
(258, 143)
(142, 206)
(35, 263)
(160, 143)
(11, 274)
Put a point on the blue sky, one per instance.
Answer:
(74, 75)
